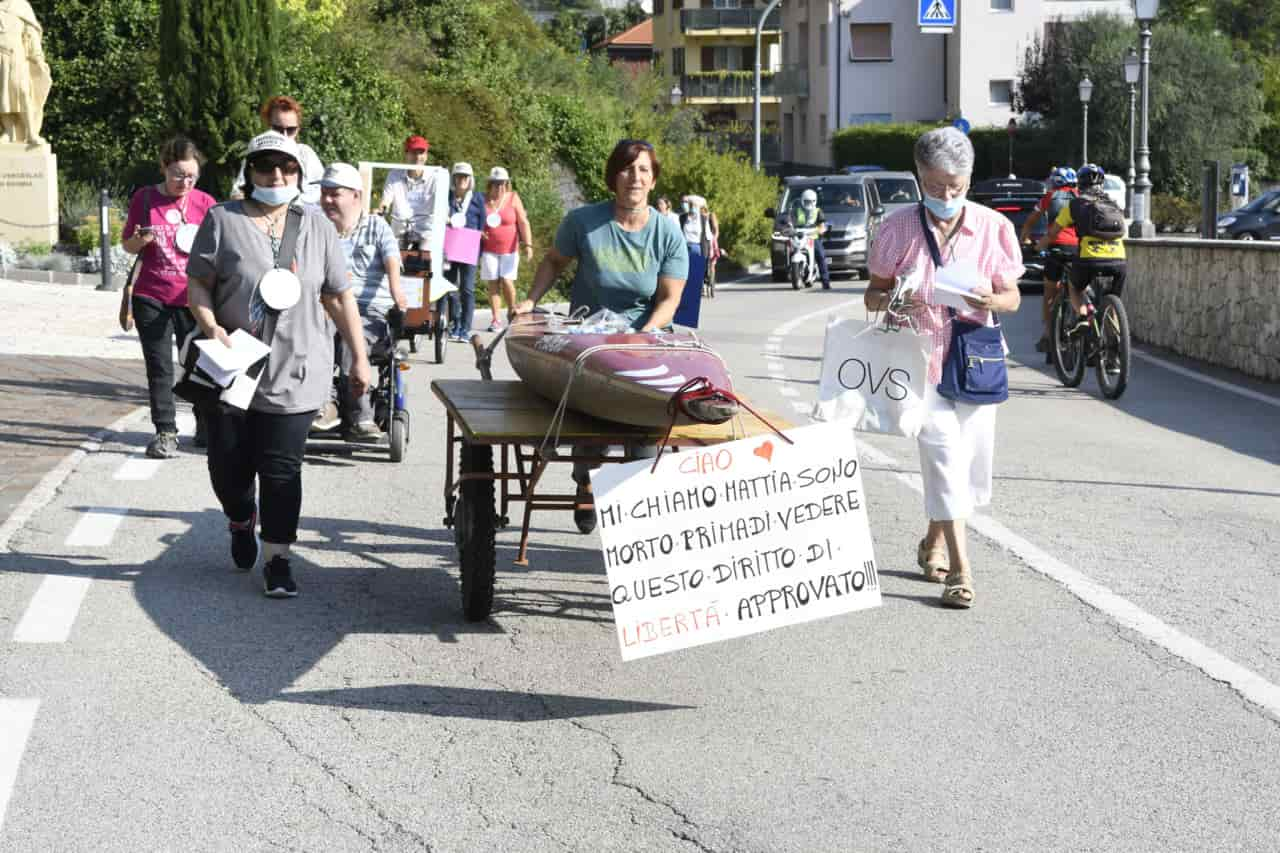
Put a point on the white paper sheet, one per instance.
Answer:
(954, 282)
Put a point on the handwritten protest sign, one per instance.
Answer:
(735, 539)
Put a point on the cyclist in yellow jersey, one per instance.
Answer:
(1100, 227)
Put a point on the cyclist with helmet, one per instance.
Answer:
(1099, 225)
(1062, 188)
(807, 214)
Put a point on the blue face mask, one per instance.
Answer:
(944, 209)
(275, 195)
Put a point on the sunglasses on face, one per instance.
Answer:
(287, 130)
(267, 165)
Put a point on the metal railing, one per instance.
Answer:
(727, 19)
(736, 84)
(792, 80)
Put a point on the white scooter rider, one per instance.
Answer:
(809, 215)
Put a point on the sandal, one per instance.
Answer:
(933, 561)
(958, 591)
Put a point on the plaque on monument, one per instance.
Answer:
(28, 168)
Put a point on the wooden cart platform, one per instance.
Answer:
(483, 415)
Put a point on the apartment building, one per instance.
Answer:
(707, 49)
(865, 61)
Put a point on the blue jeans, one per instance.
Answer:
(462, 302)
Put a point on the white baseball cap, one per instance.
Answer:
(463, 169)
(342, 175)
(497, 173)
(272, 141)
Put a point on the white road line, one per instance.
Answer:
(1251, 686)
(53, 610)
(96, 528)
(17, 717)
(45, 490)
(135, 468)
(1207, 380)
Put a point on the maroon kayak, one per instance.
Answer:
(628, 378)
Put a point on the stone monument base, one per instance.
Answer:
(28, 194)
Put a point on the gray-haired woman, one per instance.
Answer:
(957, 441)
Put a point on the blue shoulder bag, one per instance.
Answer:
(974, 369)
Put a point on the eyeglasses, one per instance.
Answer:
(267, 165)
(182, 177)
(290, 130)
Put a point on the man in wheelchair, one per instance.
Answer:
(373, 265)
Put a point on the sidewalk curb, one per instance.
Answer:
(45, 490)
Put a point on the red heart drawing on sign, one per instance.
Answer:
(765, 451)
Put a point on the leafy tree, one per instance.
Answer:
(217, 58)
(105, 113)
(1205, 103)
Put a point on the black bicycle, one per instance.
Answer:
(1101, 341)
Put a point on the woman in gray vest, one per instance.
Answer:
(240, 278)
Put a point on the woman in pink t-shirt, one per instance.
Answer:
(505, 227)
(162, 223)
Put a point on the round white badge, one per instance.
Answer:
(280, 289)
(185, 237)
(172, 216)
(458, 220)
(493, 220)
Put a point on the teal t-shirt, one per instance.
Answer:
(619, 269)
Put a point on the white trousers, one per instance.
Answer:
(957, 446)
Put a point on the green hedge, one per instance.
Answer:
(1035, 151)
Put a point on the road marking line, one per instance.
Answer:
(17, 717)
(53, 610)
(1207, 380)
(47, 488)
(1249, 684)
(135, 468)
(96, 528)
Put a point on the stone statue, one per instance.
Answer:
(24, 74)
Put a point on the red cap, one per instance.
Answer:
(416, 143)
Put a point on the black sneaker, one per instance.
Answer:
(244, 543)
(163, 446)
(278, 579)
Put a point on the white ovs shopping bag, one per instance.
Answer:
(874, 376)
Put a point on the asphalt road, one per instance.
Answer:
(184, 711)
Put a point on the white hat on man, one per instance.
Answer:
(342, 175)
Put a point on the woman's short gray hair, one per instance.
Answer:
(945, 149)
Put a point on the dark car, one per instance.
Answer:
(1016, 198)
(1257, 220)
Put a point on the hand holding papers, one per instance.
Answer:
(229, 367)
(955, 281)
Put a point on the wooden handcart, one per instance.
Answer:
(484, 416)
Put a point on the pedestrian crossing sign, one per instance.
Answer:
(937, 14)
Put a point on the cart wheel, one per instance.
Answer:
(399, 435)
(473, 531)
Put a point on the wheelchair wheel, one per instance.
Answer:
(399, 435)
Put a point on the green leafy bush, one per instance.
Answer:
(85, 235)
(1035, 150)
(1174, 213)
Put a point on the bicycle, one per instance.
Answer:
(1101, 341)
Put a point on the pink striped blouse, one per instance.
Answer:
(986, 237)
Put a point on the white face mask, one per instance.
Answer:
(275, 195)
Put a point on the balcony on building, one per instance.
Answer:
(727, 22)
(792, 81)
(727, 87)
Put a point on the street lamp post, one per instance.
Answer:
(1012, 127)
(1131, 71)
(755, 109)
(1086, 92)
(1146, 11)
